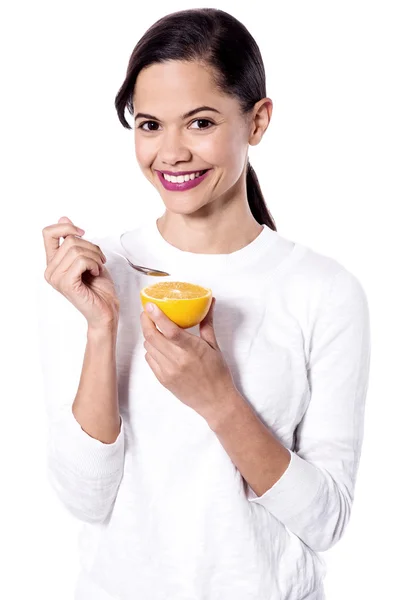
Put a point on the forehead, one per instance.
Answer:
(175, 86)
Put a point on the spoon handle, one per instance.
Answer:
(145, 270)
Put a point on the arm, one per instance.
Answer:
(96, 403)
(311, 489)
(85, 443)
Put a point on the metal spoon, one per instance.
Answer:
(145, 270)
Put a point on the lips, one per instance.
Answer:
(177, 173)
(185, 185)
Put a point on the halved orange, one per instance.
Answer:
(186, 304)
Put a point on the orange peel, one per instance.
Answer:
(186, 304)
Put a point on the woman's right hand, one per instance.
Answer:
(75, 269)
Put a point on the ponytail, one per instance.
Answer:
(256, 200)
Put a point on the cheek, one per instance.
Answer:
(144, 151)
(227, 149)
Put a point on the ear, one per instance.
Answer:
(261, 118)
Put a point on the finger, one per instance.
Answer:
(52, 235)
(158, 356)
(154, 366)
(168, 328)
(65, 220)
(71, 240)
(66, 281)
(56, 274)
(67, 247)
(153, 336)
(206, 328)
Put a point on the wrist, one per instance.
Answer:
(232, 405)
(104, 331)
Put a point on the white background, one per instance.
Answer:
(328, 166)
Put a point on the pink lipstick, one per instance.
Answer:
(181, 187)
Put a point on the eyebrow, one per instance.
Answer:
(185, 116)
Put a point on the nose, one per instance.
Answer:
(173, 148)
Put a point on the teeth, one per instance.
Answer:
(181, 178)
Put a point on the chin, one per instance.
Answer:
(187, 207)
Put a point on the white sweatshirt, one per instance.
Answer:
(166, 514)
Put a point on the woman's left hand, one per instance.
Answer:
(191, 367)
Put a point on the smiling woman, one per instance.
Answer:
(210, 151)
(215, 69)
(217, 465)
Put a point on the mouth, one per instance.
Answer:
(182, 182)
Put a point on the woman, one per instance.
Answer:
(216, 462)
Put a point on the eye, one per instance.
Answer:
(203, 121)
(151, 123)
(145, 123)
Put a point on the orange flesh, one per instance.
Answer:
(175, 290)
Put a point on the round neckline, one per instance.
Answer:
(214, 262)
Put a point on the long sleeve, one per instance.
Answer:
(314, 496)
(84, 472)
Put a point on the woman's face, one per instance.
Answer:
(166, 140)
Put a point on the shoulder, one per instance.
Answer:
(329, 273)
(315, 281)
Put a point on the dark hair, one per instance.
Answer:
(218, 40)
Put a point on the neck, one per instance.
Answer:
(218, 235)
(221, 227)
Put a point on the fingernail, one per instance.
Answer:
(81, 231)
(149, 307)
